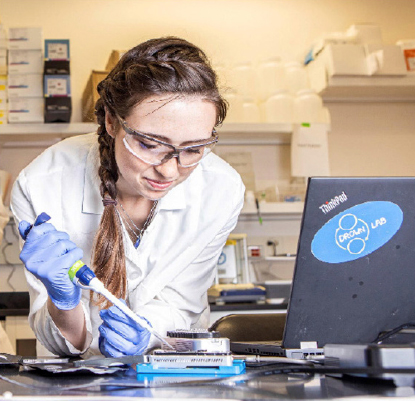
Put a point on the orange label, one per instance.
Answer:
(410, 59)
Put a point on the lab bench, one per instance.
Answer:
(218, 311)
(264, 383)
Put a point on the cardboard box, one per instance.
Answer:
(3, 101)
(3, 37)
(408, 49)
(57, 85)
(25, 85)
(57, 49)
(385, 60)
(56, 67)
(366, 33)
(27, 38)
(344, 59)
(90, 95)
(26, 110)
(337, 60)
(58, 109)
(114, 58)
(25, 62)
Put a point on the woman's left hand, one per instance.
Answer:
(120, 335)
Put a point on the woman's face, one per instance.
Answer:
(177, 120)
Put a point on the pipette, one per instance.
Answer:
(82, 276)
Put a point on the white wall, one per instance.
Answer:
(366, 139)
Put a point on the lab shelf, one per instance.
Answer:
(229, 133)
(41, 132)
(255, 134)
(274, 207)
(369, 89)
(280, 258)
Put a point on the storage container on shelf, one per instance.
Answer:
(308, 107)
(365, 33)
(296, 77)
(278, 108)
(250, 111)
(242, 79)
(235, 110)
(222, 73)
(270, 77)
(408, 49)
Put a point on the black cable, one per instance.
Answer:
(383, 336)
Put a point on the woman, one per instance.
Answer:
(148, 204)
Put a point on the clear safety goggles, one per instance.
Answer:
(155, 152)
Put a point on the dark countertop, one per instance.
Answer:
(257, 384)
(14, 304)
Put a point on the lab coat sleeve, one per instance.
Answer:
(183, 303)
(4, 218)
(40, 320)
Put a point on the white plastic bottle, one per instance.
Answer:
(308, 107)
(243, 79)
(271, 77)
(296, 77)
(235, 111)
(278, 108)
(250, 111)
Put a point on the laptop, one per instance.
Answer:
(355, 267)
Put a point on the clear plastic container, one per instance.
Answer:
(308, 107)
(235, 111)
(278, 108)
(296, 77)
(250, 111)
(243, 79)
(271, 78)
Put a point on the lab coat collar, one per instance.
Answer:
(92, 202)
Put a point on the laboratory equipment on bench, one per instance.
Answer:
(232, 265)
(197, 351)
(230, 293)
(82, 276)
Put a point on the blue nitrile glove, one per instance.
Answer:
(120, 335)
(49, 254)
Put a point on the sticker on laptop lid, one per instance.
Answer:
(357, 232)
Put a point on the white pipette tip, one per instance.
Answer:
(98, 286)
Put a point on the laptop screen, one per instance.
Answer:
(355, 269)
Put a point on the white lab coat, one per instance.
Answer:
(170, 272)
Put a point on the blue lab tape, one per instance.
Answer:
(237, 368)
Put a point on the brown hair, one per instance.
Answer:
(158, 66)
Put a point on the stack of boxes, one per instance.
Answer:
(3, 75)
(25, 75)
(90, 94)
(57, 84)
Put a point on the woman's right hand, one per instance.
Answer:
(49, 254)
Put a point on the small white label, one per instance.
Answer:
(58, 51)
(57, 86)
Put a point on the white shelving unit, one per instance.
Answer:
(42, 132)
(255, 134)
(274, 208)
(369, 89)
(230, 133)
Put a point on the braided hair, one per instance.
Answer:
(167, 65)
